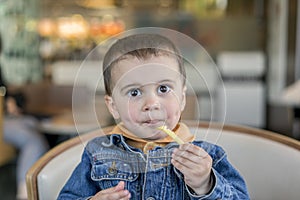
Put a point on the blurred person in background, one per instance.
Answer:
(21, 131)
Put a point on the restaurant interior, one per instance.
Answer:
(250, 50)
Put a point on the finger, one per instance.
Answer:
(120, 186)
(187, 158)
(183, 163)
(193, 149)
(123, 194)
(116, 188)
(117, 195)
(125, 198)
(190, 152)
(191, 168)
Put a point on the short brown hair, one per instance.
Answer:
(141, 46)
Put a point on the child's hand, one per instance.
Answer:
(195, 164)
(114, 193)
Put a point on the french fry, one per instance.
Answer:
(171, 134)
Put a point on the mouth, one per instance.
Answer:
(153, 123)
(149, 128)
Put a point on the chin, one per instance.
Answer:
(156, 136)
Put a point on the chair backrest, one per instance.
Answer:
(268, 161)
(48, 175)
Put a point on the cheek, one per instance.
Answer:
(173, 118)
(173, 110)
(132, 111)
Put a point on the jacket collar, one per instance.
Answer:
(181, 130)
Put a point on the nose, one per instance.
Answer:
(151, 103)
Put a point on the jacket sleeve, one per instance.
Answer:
(80, 185)
(228, 183)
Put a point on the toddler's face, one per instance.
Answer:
(147, 94)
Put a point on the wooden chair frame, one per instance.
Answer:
(31, 176)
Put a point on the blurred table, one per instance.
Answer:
(62, 125)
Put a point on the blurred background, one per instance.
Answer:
(255, 44)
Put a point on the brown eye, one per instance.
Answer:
(163, 89)
(134, 93)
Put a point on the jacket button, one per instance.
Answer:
(150, 198)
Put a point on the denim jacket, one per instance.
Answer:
(107, 160)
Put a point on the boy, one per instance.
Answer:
(145, 88)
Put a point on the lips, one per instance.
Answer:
(152, 122)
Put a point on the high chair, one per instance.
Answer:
(268, 161)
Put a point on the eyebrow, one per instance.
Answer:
(168, 81)
(126, 87)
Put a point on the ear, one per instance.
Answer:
(111, 106)
(183, 101)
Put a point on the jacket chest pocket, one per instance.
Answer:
(108, 173)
